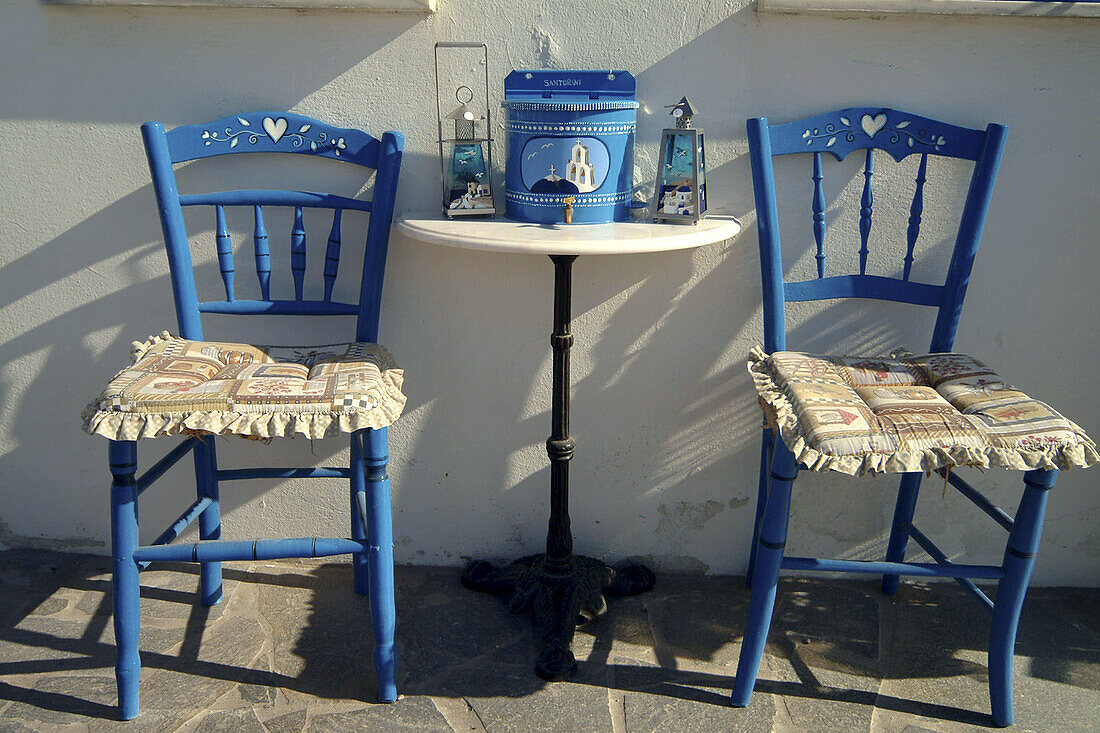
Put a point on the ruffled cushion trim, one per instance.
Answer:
(388, 400)
(138, 348)
(782, 416)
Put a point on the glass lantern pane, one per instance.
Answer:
(677, 195)
(467, 183)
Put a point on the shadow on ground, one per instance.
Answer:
(290, 650)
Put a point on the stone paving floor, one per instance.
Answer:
(289, 652)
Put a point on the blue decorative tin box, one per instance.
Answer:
(570, 134)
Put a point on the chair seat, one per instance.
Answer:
(860, 415)
(177, 386)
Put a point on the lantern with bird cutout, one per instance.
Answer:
(680, 193)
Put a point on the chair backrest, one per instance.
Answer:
(273, 132)
(899, 134)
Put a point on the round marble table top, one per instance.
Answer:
(505, 235)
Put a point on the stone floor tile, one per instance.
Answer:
(823, 656)
(259, 695)
(459, 714)
(64, 700)
(660, 713)
(168, 591)
(12, 725)
(50, 606)
(890, 721)
(1076, 604)
(563, 706)
(657, 698)
(838, 621)
(46, 639)
(624, 630)
(1060, 634)
(242, 720)
(234, 642)
(151, 638)
(698, 621)
(319, 632)
(415, 714)
(452, 627)
(293, 722)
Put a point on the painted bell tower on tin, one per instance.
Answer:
(579, 170)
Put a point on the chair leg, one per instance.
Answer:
(210, 521)
(358, 490)
(767, 445)
(380, 561)
(1019, 559)
(769, 556)
(899, 531)
(122, 458)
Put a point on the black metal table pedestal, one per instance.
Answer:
(558, 587)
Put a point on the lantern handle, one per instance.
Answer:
(458, 94)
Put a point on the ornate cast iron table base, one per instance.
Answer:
(558, 586)
(560, 595)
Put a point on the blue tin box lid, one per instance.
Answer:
(569, 90)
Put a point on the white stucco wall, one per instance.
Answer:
(663, 413)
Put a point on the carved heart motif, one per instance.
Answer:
(871, 125)
(276, 128)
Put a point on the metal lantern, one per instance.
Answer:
(680, 193)
(465, 145)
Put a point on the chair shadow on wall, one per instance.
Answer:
(242, 64)
(74, 368)
(68, 357)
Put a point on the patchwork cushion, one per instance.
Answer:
(178, 386)
(862, 415)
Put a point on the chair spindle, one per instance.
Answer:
(225, 251)
(915, 211)
(298, 252)
(332, 254)
(866, 205)
(263, 254)
(819, 214)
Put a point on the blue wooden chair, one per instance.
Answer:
(197, 389)
(906, 414)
